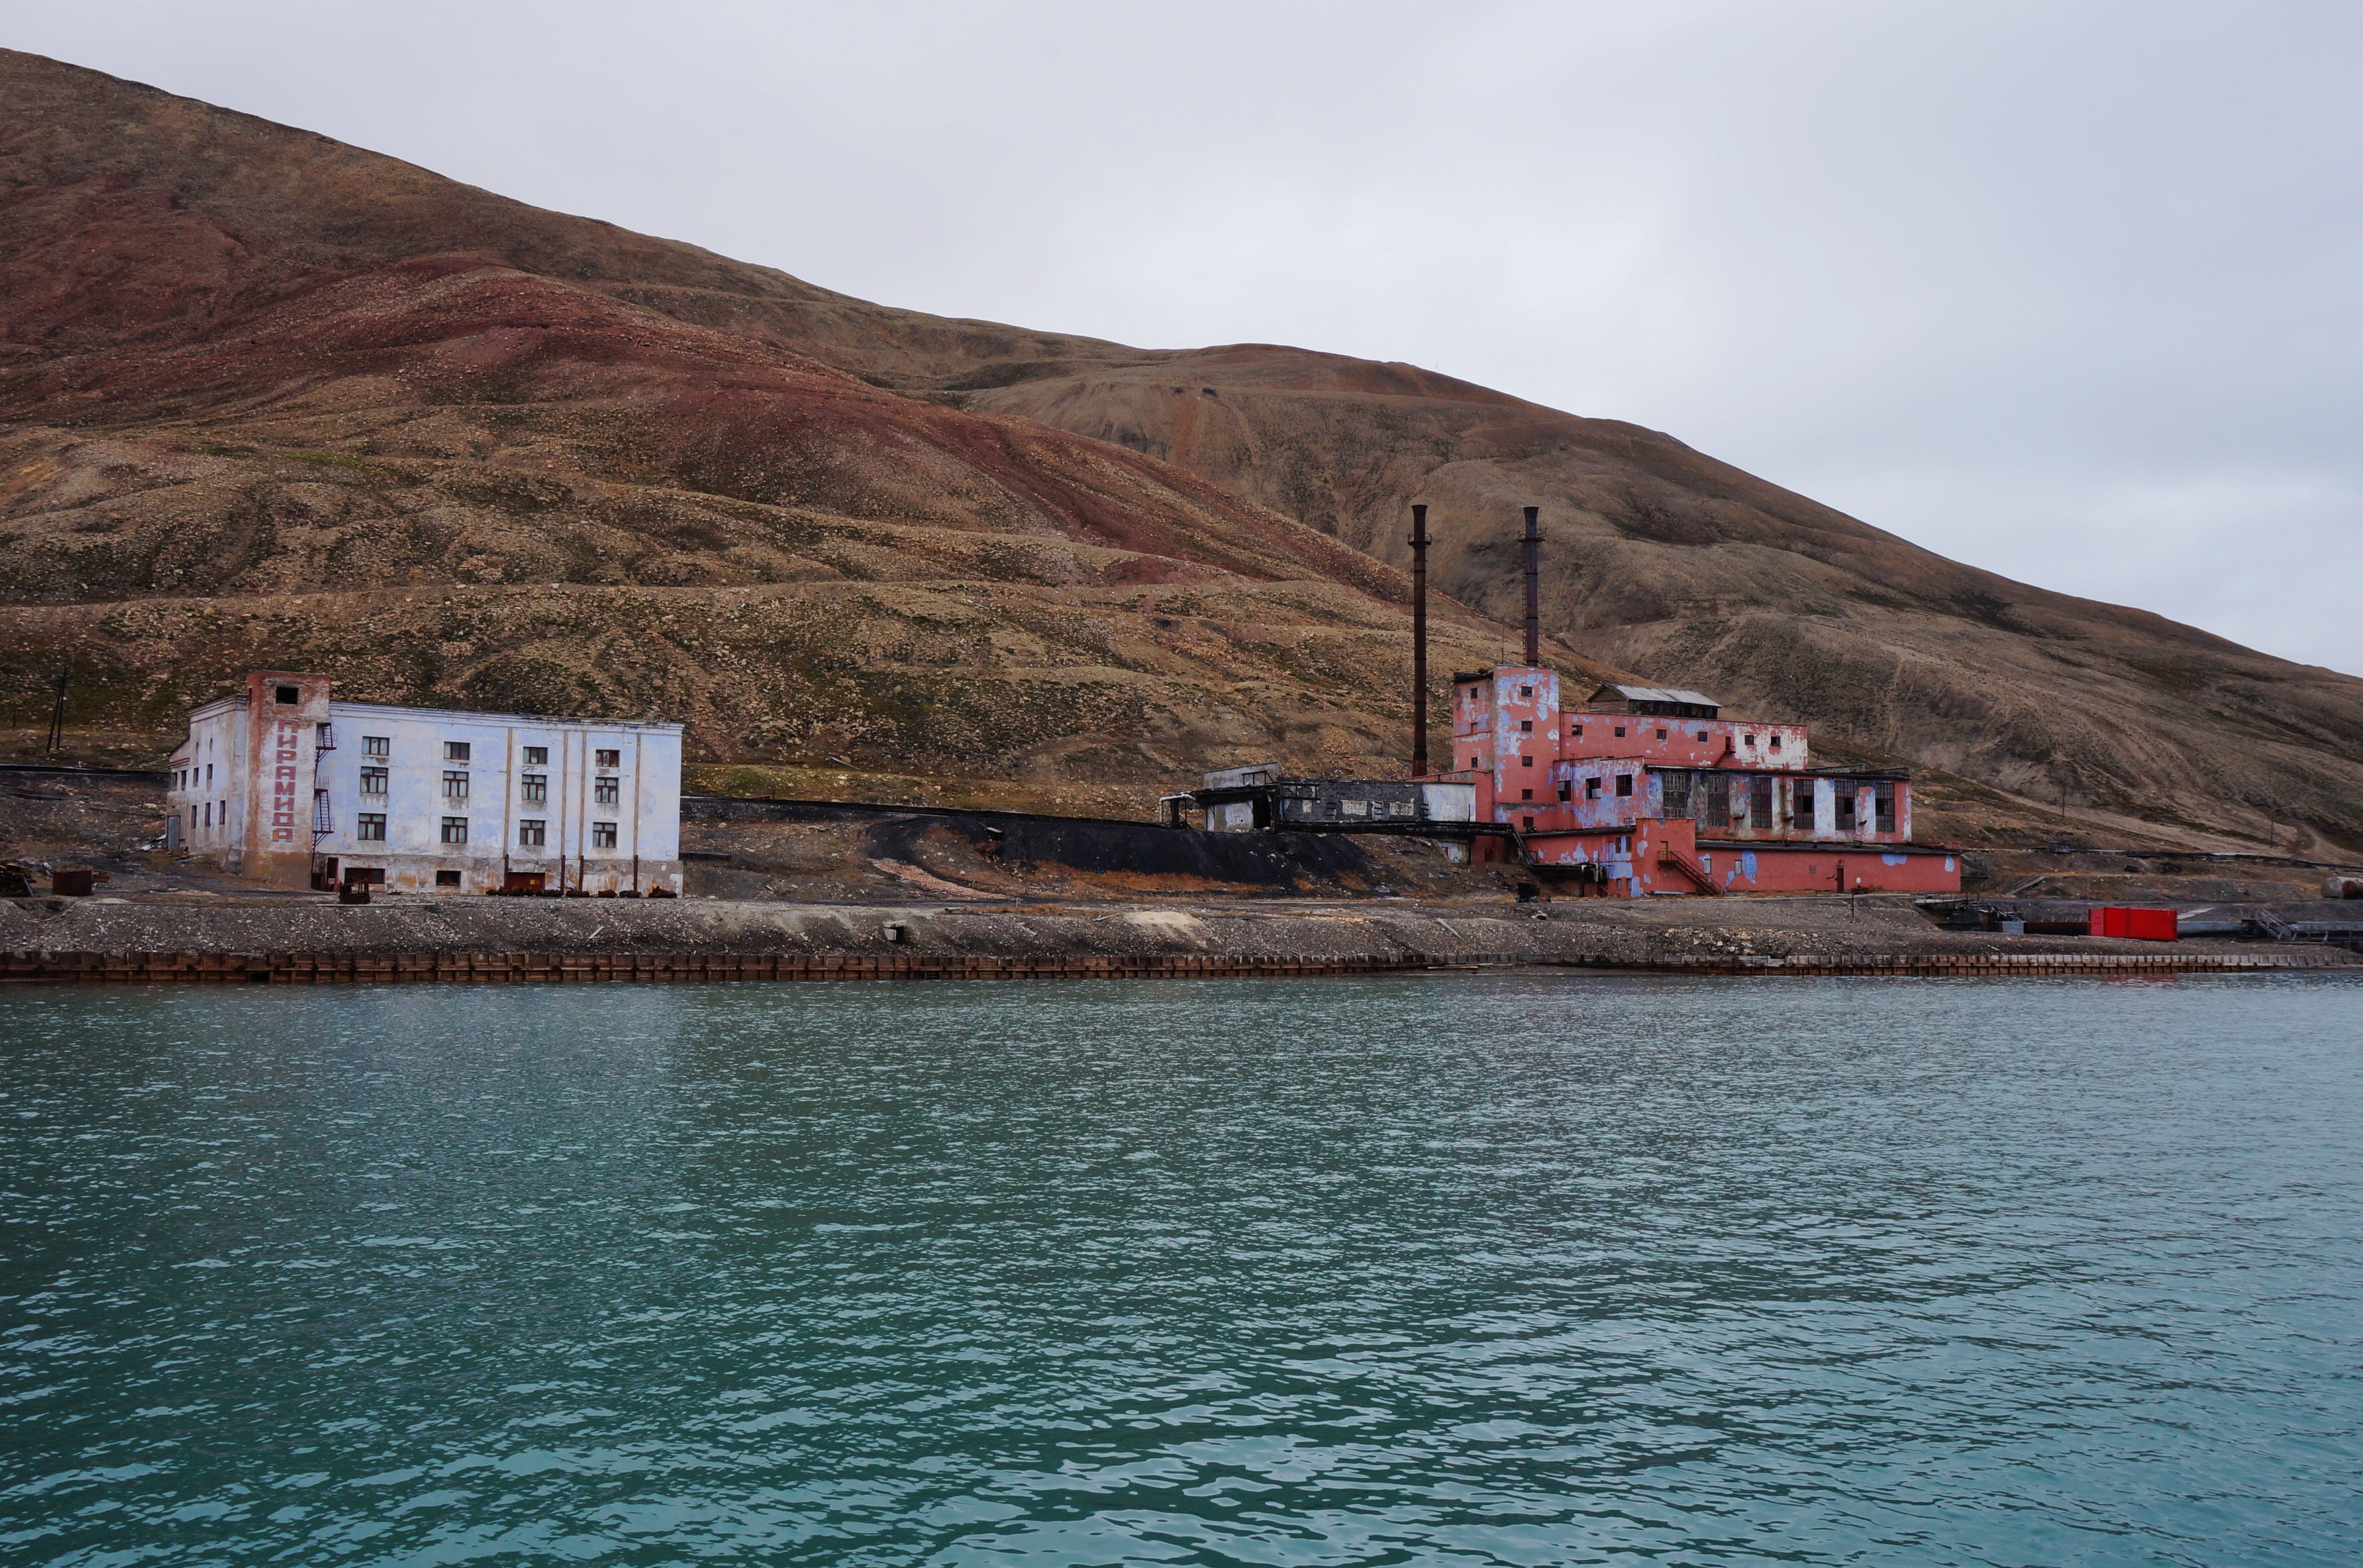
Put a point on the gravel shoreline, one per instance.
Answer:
(1689, 934)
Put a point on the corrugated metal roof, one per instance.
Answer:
(1659, 694)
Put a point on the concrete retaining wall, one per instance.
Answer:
(250, 968)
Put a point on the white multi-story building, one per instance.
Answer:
(285, 785)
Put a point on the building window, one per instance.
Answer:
(1882, 803)
(1530, 824)
(1525, 691)
(537, 757)
(1624, 784)
(606, 792)
(372, 781)
(1776, 743)
(1846, 794)
(1525, 794)
(1563, 791)
(1576, 731)
(1747, 740)
(1592, 788)
(1525, 762)
(534, 788)
(607, 758)
(533, 832)
(455, 830)
(447, 878)
(455, 786)
(209, 774)
(1527, 726)
(1675, 790)
(1620, 732)
(369, 826)
(1661, 734)
(209, 813)
(1760, 801)
(325, 739)
(1701, 735)
(377, 745)
(286, 694)
(455, 751)
(602, 835)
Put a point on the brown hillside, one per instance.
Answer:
(274, 400)
(1663, 559)
(269, 395)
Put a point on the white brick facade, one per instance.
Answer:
(281, 782)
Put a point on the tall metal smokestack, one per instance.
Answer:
(1534, 542)
(1419, 641)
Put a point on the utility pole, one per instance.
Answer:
(58, 713)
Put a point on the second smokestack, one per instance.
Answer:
(1534, 542)
(1419, 641)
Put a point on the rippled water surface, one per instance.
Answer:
(1463, 1269)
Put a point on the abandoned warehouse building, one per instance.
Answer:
(283, 783)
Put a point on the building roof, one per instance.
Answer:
(1657, 694)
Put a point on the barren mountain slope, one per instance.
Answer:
(549, 399)
(264, 411)
(1660, 558)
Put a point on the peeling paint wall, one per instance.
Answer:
(1640, 804)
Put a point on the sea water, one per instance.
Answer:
(1438, 1269)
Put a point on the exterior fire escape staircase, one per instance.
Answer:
(1688, 865)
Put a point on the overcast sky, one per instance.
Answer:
(2066, 291)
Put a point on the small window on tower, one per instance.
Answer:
(1701, 735)
(285, 694)
(1525, 762)
(1525, 691)
(1747, 740)
(1525, 794)
(1661, 734)
(1620, 732)
(1527, 726)
(1776, 743)
(1576, 731)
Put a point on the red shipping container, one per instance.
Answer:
(2141, 925)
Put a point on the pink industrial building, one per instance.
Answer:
(1642, 791)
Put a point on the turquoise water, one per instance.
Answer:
(1465, 1269)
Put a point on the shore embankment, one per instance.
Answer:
(295, 939)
